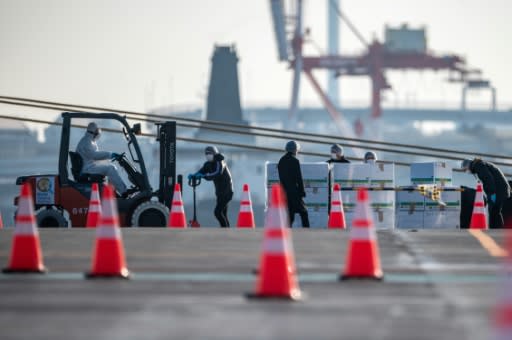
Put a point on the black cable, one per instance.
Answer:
(293, 134)
(204, 141)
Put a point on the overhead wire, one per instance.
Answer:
(206, 141)
(206, 125)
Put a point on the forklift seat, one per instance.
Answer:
(76, 170)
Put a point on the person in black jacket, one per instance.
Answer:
(290, 177)
(495, 185)
(337, 155)
(216, 169)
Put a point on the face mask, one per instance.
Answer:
(209, 157)
(334, 156)
(370, 161)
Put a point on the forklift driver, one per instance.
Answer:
(92, 157)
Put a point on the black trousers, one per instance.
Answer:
(221, 209)
(300, 208)
(495, 215)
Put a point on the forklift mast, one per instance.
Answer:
(166, 135)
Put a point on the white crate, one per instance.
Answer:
(382, 175)
(317, 196)
(382, 218)
(364, 175)
(409, 219)
(452, 198)
(314, 175)
(351, 175)
(378, 199)
(409, 201)
(318, 218)
(271, 173)
(431, 173)
(441, 219)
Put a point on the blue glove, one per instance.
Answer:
(493, 198)
(199, 175)
(114, 155)
(190, 176)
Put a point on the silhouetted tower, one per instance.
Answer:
(223, 92)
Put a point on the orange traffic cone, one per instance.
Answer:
(363, 260)
(337, 215)
(479, 217)
(26, 255)
(502, 313)
(94, 213)
(277, 275)
(108, 257)
(177, 217)
(246, 215)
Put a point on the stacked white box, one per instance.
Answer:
(410, 209)
(382, 206)
(443, 216)
(431, 173)
(364, 175)
(350, 175)
(382, 175)
(315, 177)
(416, 211)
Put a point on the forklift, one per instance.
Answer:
(62, 200)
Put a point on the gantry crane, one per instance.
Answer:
(373, 62)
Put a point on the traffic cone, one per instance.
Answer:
(363, 260)
(26, 255)
(502, 313)
(108, 257)
(177, 217)
(94, 212)
(479, 217)
(246, 215)
(337, 215)
(277, 274)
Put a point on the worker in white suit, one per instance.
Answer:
(92, 157)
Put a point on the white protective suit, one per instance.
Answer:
(88, 149)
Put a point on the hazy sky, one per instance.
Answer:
(139, 54)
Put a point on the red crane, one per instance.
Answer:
(372, 63)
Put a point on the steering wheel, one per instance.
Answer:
(120, 156)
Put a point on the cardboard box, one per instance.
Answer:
(314, 175)
(450, 196)
(410, 208)
(378, 199)
(418, 212)
(364, 175)
(409, 219)
(382, 175)
(271, 173)
(431, 173)
(351, 175)
(441, 219)
(317, 195)
(382, 218)
(409, 200)
(318, 218)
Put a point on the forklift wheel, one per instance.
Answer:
(150, 214)
(50, 218)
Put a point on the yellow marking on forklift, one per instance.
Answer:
(488, 243)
